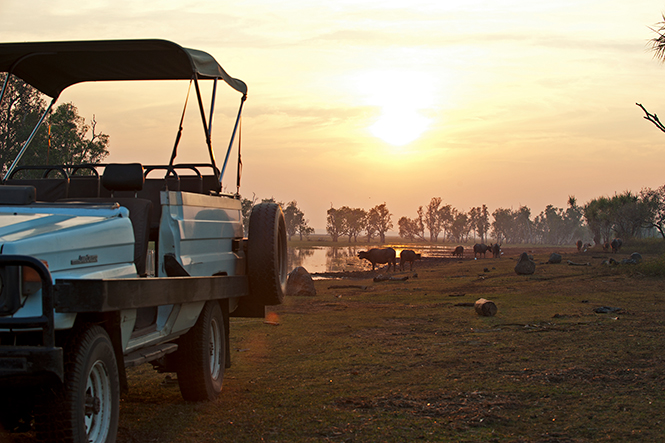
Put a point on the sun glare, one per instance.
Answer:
(402, 96)
(399, 126)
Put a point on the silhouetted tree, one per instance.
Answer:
(654, 201)
(293, 218)
(479, 219)
(335, 223)
(354, 221)
(412, 229)
(64, 137)
(658, 47)
(433, 219)
(460, 225)
(379, 218)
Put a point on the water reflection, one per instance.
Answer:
(339, 259)
(298, 256)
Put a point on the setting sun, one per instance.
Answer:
(399, 126)
(401, 95)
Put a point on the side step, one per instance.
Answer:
(141, 356)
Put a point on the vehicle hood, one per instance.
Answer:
(59, 235)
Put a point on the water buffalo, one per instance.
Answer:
(616, 244)
(496, 250)
(579, 245)
(606, 246)
(481, 248)
(407, 255)
(381, 256)
(459, 252)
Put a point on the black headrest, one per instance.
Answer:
(123, 177)
(17, 195)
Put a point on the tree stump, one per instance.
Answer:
(486, 308)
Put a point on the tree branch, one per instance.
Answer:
(653, 118)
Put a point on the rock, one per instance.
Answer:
(554, 258)
(606, 310)
(486, 308)
(525, 266)
(300, 283)
(636, 256)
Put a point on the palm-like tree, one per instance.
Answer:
(658, 43)
(658, 47)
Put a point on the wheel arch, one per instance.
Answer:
(110, 321)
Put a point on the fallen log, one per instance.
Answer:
(486, 308)
(570, 263)
(349, 287)
(382, 277)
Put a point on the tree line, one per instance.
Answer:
(66, 138)
(626, 215)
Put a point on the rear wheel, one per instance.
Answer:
(86, 407)
(202, 356)
(266, 254)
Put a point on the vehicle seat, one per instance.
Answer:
(48, 189)
(83, 186)
(129, 177)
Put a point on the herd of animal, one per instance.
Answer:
(382, 256)
(389, 256)
(615, 245)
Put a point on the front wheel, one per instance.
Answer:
(201, 356)
(87, 406)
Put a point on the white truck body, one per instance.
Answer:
(112, 269)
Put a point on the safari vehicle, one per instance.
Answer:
(84, 294)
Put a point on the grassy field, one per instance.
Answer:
(405, 361)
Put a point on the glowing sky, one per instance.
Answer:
(356, 103)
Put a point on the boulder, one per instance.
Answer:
(300, 283)
(554, 258)
(525, 266)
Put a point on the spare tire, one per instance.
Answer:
(266, 254)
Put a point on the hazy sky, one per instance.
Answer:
(356, 103)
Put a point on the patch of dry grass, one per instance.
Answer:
(411, 361)
(408, 361)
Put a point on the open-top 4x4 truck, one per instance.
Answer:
(104, 267)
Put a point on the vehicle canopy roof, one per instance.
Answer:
(51, 67)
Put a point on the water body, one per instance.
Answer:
(340, 259)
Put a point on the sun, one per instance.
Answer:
(399, 126)
(402, 96)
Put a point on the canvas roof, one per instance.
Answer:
(53, 66)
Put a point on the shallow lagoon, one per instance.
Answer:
(345, 258)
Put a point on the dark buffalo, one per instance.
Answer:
(380, 256)
(606, 246)
(480, 248)
(407, 255)
(496, 250)
(459, 252)
(616, 244)
(579, 245)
